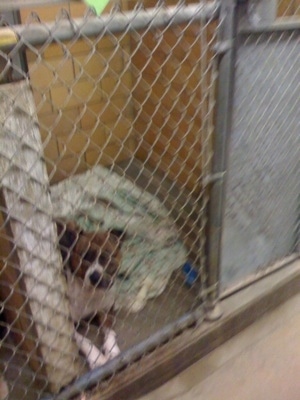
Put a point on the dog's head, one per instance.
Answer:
(92, 256)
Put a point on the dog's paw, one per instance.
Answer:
(4, 392)
(94, 356)
(110, 346)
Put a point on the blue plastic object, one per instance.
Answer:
(191, 274)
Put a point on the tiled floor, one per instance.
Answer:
(260, 363)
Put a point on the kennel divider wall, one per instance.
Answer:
(261, 221)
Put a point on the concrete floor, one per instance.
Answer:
(260, 363)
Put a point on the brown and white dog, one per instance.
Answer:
(91, 263)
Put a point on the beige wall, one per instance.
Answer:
(160, 121)
(288, 8)
(82, 98)
(173, 90)
(78, 127)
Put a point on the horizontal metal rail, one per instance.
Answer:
(280, 25)
(16, 4)
(261, 274)
(99, 374)
(66, 29)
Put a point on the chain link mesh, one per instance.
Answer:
(261, 224)
(111, 130)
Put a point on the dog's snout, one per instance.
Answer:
(95, 278)
(98, 280)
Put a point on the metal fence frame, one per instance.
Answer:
(247, 25)
(38, 34)
(226, 51)
(228, 11)
(237, 18)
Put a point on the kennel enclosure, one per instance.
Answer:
(141, 119)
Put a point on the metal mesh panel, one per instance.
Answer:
(268, 11)
(106, 128)
(262, 208)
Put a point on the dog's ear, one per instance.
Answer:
(68, 233)
(118, 236)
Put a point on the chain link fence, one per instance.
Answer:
(106, 143)
(113, 146)
(261, 224)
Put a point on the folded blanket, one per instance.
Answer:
(152, 250)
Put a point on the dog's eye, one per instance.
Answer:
(103, 259)
(89, 256)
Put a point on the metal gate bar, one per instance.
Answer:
(16, 4)
(226, 49)
(278, 26)
(251, 279)
(97, 375)
(65, 29)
